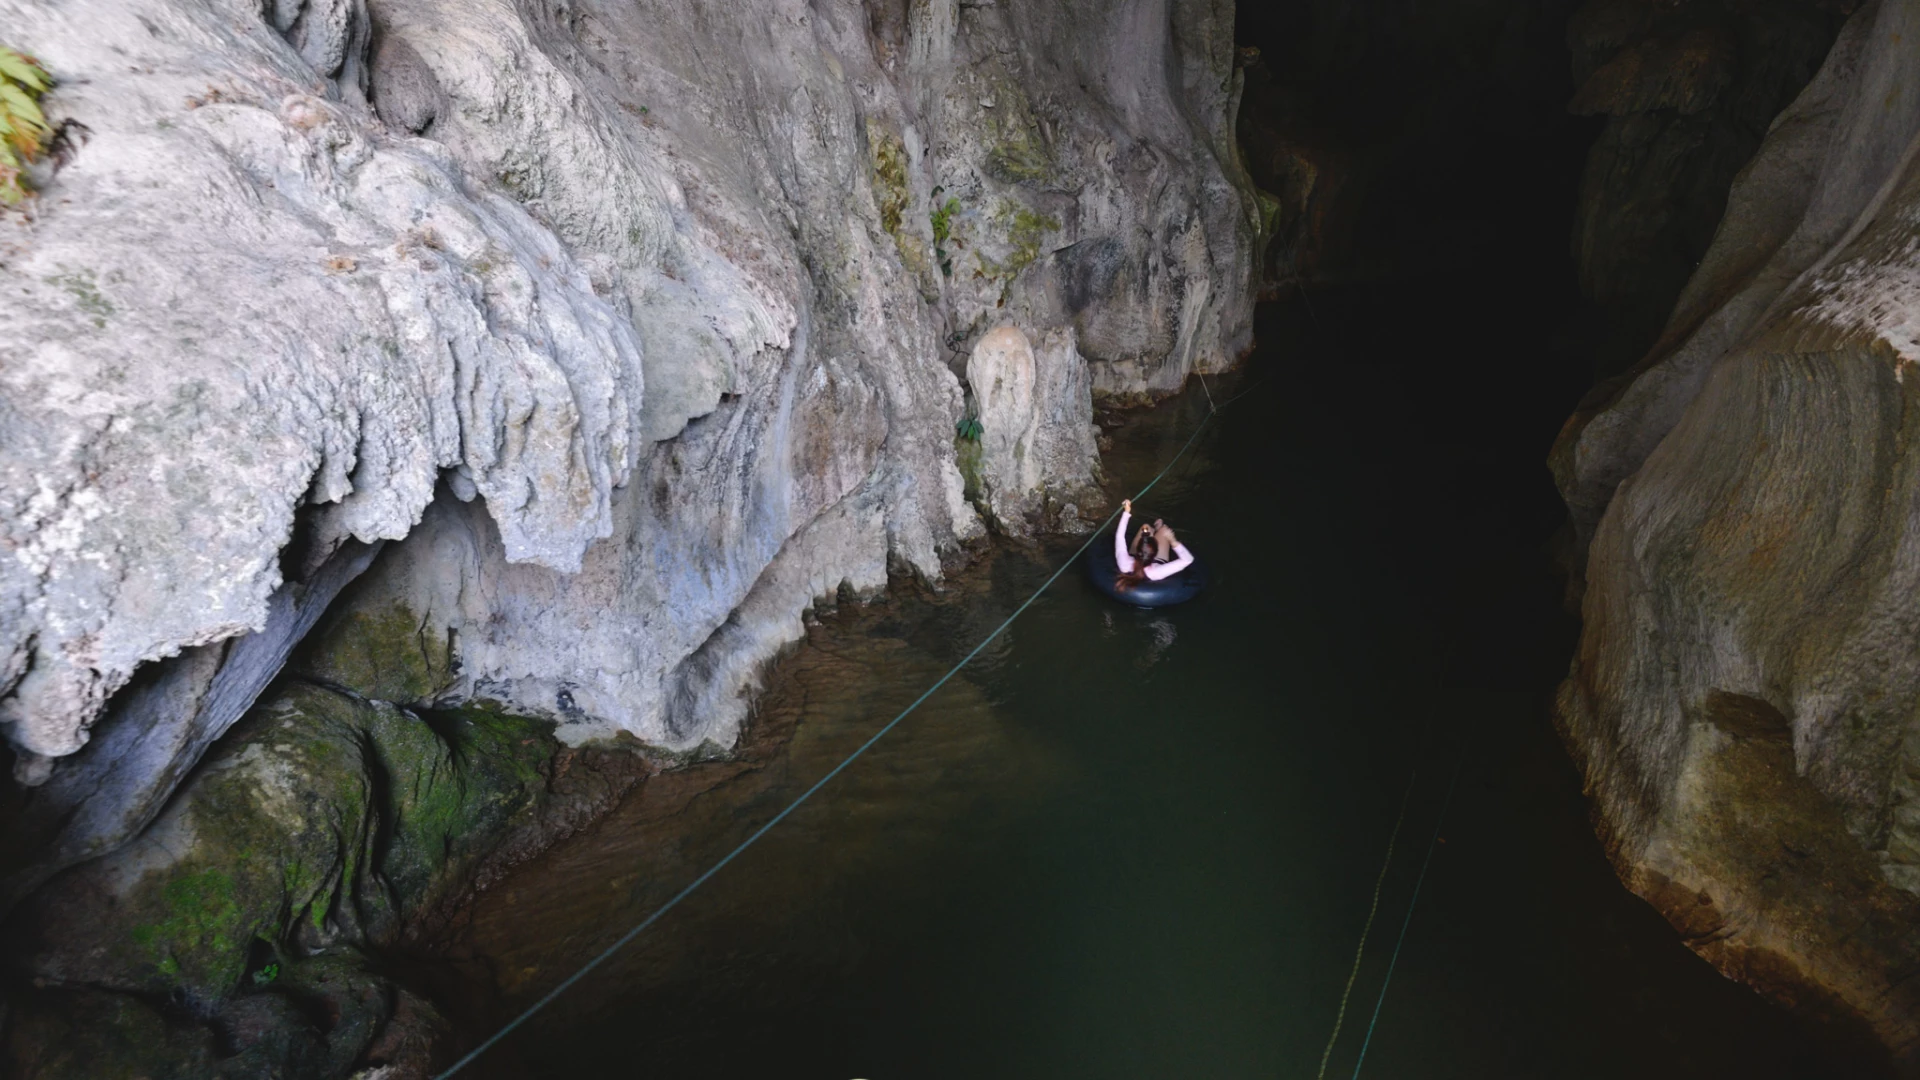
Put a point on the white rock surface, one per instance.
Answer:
(1036, 462)
(226, 310)
(651, 301)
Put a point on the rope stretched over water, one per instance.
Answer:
(627, 937)
(1361, 950)
(1408, 921)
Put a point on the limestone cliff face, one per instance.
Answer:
(1746, 698)
(639, 327)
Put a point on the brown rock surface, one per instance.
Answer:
(1745, 700)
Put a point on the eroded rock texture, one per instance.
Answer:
(1035, 458)
(638, 327)
(1746, 695)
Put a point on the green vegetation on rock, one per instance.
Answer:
(458, 780)
(80, 285)
(941, 218)
(890, 170)
(198, 914)
(1016, 151)
(320, 826)
(388, 655)
(968, 455)
(24, 130)
(324, 821)
(894, 194)
(1026, 233)
(1020, 158)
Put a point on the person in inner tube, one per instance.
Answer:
(1156, 555)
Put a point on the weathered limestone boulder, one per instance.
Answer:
(1035, 462)
(1745, 700)
(631, 328)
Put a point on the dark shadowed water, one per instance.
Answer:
(1133, 844)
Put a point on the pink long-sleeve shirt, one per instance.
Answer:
(1182, 558)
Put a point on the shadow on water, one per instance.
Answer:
(1143, 843)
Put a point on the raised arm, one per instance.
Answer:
(1121, 557)
(1182, 558)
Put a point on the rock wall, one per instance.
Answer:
(548, 362)
(636, 327)
(1745, 699)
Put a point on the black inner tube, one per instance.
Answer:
(1103, 571)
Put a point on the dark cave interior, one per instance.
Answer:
(1402, 137)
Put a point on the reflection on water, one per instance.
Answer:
(1142, 844)
(1163, 634)
(959, 759)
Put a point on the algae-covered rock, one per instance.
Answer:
(314, 833)
(273, 837)
(387, 653)
(457, 783)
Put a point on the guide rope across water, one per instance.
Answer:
(610, 951)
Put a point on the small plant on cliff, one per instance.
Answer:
(266, 975)
(24, 130)
(970, 429)
(942, 219)
(890, 169)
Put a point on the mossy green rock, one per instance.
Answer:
(318, 827)
(389, 654)
(277, 832)
(458, 781)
